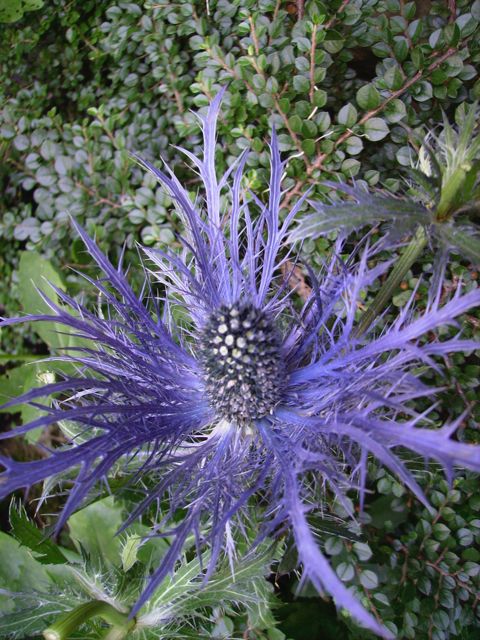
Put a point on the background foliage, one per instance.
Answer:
(350, 87)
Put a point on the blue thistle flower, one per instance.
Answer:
(222, 390)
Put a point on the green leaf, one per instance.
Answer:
(424, 585)
(347, 115)
(309, 129)
(345, 571)
(259, 611)
(393, 78)
(453, 66)
(369, 579)
(400, 48)
(436, 40)
(130, 551)
(350, 167)
(152, 549)
(471, 554)
(34, 274)
(334, 546)
(402, 298)
(382, 598)
(7, 131)
(46, 551)
(440, 531)
(67, 624)
(301, 84)
(48, 150)
(415, 29)
(368, 97)
(302, 64)
(320, 98)
(381, 50)
(94, 530)
(333, 42)
(308, 146)
(21, 143)
(303, 109)
(465, 537)
(422, 91)
(362, 551)
(266, 101)
(32, 5)
(258, 82)
(284, 104)
(323, 120)
(447, 599)
(295, 123)
(395, 111)
(18, 571)
(353, 145)
(32, 620)
(352, 14)
(417, 57)
(467, 24)
(22, 379)
(376, 129)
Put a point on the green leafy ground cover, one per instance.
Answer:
(352, 89)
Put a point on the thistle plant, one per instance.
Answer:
(444, 192)
(223, 395)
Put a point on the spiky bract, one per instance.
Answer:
(150, 391)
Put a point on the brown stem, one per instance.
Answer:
(300, 9)
(320, 159)
(274, 17)
(293, 135)
(312, 62)
(452, 7)
(256, 44)
(333, 19)
(369, 598)
(94, 193)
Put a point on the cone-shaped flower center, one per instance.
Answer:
(240, 355)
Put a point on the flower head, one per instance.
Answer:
(224, 389)
(240, 354)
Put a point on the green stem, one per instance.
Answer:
(21, 357)
(117, 633)
(398, 273)
(449, 192)
(71, 621)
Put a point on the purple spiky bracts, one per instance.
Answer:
(223, 391)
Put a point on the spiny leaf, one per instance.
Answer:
(30, 620)
(130, 551)
(185, 594)
(23, 530)
(94, 529)
(20, 572)
(463, 239)
(364, 209)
